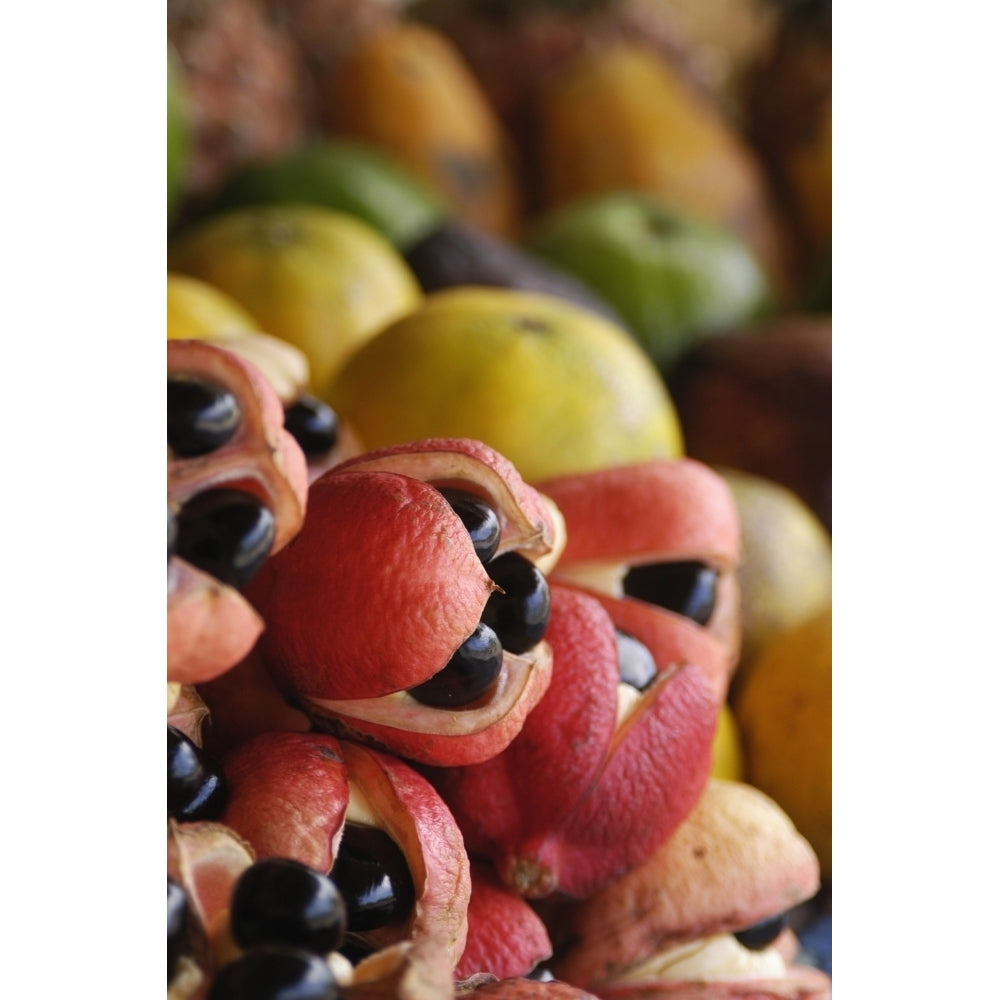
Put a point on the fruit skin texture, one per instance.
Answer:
(408, 91)
(675, 279)
(211, 626)
(384, 584)
(549, 385)
(784, 710)
(735, 860)
(323, 280)
(621, 117)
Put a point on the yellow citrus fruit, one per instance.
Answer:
(197, 311)
(785, 571)
(784, 711)
(553, 387)
(727, 750)
(319, 279)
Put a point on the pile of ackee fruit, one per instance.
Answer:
(498, 388)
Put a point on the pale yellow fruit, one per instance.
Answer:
(550, 385)
(785, 571)
(321, 280)
(784, 712)
(198, 311)
(727, 749)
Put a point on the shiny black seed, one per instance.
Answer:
(171, 532)
(469, 674)
(480, 520)
(201, 416)
(282, 901)
(763, 933)
(373, 877)
(196, 786)
(354, 949)
(313, 424)
(275, 972)
(519, 615)
(226, 533)
(178, 917)
(689, 588)
(636, 665)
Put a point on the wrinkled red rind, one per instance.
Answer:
(658, 511)
(288, 796)
(206, 859)
(376, 592)
(506, 937)
(244, 702)
(210, 626)
(801, 983)
(737, 859)
(526, 521)
(523, 989)
(574, 802)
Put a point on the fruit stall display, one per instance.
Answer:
(499, 511)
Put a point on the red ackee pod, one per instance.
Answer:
(383, 584)
(628, 520)
(520, 988)
(292, 795)
(668, 928)
(210, 626)
(596, 779)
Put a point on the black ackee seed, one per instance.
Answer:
(196, 786)
(636, 665)
(373, 877)
(282, 901)
(313, 424)
(520, 614)
(469, 674)
(689, 588)
(178, 916)
(355, 950)
(226, 533)
(275, 972)
(763, 933)
(480, 520)
(201, 416)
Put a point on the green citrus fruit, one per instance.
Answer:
(554, 387)
(179, 136)
(322, 280)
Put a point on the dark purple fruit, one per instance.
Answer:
(196, 786)
(469, 674)
(520, 613)
(282, 901)
(313, 424)
(636, 665)
(201, 416)
(373, 877)
(226, 533)
(688, 588)
(480, 520)
(275, 972)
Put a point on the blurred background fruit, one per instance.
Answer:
(322, 280)
(552, 386)
(198, 311)
(727, 747)
(786, 561)
(675, 280)
(246, 84)
(406, 90)
(760, 400)
(784, 713)
(178, 135)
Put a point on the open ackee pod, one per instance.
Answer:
(576, 799)
(210, 625)
(369, 607)
(325, 802)
(657, 541)
(702, 917)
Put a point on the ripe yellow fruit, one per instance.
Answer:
(553, 387)
(198, 311)
(727, 749)
(786, 559)
(322, 280)
(784, 711)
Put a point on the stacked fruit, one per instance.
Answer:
(468, 661)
